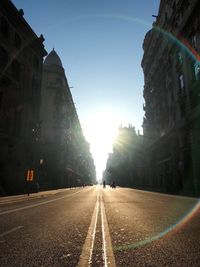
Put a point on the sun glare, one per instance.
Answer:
(100, 130)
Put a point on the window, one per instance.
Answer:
(3, 57)
(17, 123)
(17, 40)
(180, 58)
(36, 63)
(173, 4)
(194, 41)
(16, 70)
(4, 27)
(6, 126)
(58, 81)
(151, 90)
(1, 99)
(182, 94)
(181, 82)
(197, 70)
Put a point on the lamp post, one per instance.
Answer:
(41, 173)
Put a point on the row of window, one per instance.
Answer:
(13, 128)
(15, 65)
(195, 73)
(3, 57)
(6, 32)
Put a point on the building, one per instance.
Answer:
(21, 59)
(65, 154)
(171, 92)
(125, 164)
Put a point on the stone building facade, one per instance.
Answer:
(21, 59)
(172, 100)
(65, 154)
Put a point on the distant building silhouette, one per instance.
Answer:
(125, 164)
(21, 57)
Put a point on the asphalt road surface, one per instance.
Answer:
(99, 227)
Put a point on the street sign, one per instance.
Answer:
(29, 175)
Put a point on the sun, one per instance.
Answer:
(100, 130)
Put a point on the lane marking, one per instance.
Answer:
(107, 251)
(38, 204)
(103, 237)
(42, 194)
(108, 255)
(86, 254)
(94, 231)
(10, 231)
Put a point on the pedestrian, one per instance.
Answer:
(104, 184)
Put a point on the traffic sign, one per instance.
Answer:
(29, 175)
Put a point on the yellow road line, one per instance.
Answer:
(86, 255)
(87, 251)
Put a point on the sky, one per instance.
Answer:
(100, 46)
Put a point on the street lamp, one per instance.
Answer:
(40, 174)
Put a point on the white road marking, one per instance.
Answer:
(86, 255)
(41, 194)
(108, 255)
(10, 231)
(94, 231)
(87, 251)
(103, 236)
(35, 205)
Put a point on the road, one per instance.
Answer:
(99, 227)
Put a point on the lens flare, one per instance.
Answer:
(175, 227)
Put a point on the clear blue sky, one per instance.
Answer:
(100, 45)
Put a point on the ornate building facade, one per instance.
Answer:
(21, 59)
(65, 154)
(172, 101)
